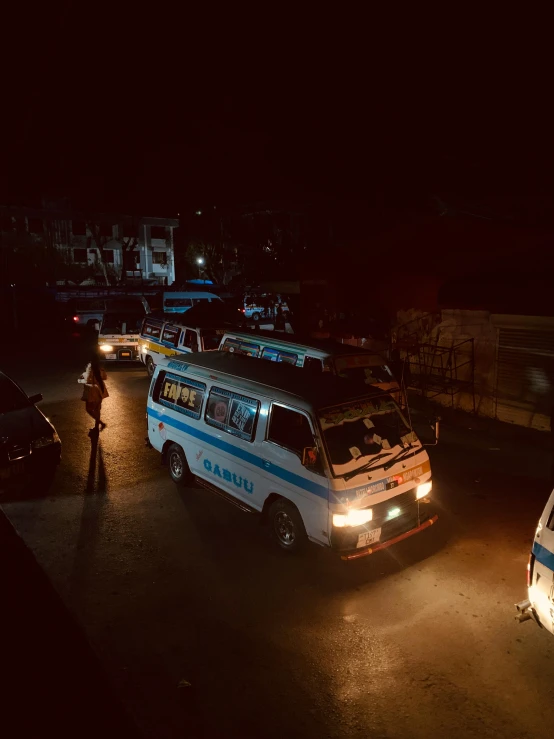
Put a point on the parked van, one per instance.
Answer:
(316, 355)
(170, 335)
(318, 459)
(181, 302)
(539, 604)
(118, 336)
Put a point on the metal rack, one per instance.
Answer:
(442, 370)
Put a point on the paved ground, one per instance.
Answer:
(173, 586)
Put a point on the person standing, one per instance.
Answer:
(94, 392)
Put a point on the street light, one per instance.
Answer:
(199, 262)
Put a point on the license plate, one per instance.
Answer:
(111, 356)
(368, 537)
(18, 468)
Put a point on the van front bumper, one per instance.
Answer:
(122, 354)
(414, 516)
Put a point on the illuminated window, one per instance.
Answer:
(159, 257)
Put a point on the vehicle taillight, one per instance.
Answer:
(76, 318)
(530, 565)
(242, 309)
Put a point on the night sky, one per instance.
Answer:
(167, 112)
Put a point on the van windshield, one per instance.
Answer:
(368, 369)
(356, 432)
(119, 323)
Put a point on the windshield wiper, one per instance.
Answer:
(400, 455)
(365, 467)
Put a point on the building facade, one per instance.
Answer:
(89, 248)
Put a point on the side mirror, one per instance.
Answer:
(35, 398)
(309, 456)
(435, 425)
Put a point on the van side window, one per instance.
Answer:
(179, 393)
(274, 355)
(241, 347)
(171, 335)
(290, 429)
(191, 340)
(550, 522)
(152, 329)
(231, 345)
(313, 364)
(233, 413)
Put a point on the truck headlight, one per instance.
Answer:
(106, 347)
(423, 489)
(355, 517)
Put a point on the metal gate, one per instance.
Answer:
(525, 376)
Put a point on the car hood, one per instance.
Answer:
(24, 425)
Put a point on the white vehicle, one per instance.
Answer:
(540, 574)
(318, 460)
(174, 302)
(119, 331)
(86, 312)
(171, 335)
(315, 355)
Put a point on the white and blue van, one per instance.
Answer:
(316, 458)
(539, 604)
(174, 302)
(316, 355)
(170, 335)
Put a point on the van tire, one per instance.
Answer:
(287, 526)
(255, 316)
(179, 470)
(150, 366)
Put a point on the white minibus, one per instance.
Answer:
(320, 458)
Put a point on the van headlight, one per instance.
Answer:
(106, 347)
(423, 489)
(355, 517)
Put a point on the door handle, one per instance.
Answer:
(266, 464)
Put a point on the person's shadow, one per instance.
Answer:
(96, 459)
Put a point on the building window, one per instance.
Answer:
(157, 232)
(108, 256)
(159, 257)
(80, 255)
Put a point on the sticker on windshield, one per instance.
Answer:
(340, 414)
(355, 452)
(368, 423)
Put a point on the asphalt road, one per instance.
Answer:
(172, 586)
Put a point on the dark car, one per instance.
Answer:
(30, 447)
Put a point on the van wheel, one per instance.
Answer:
(150, 366)
(255, 316)
(179, 469)
(287, 527)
